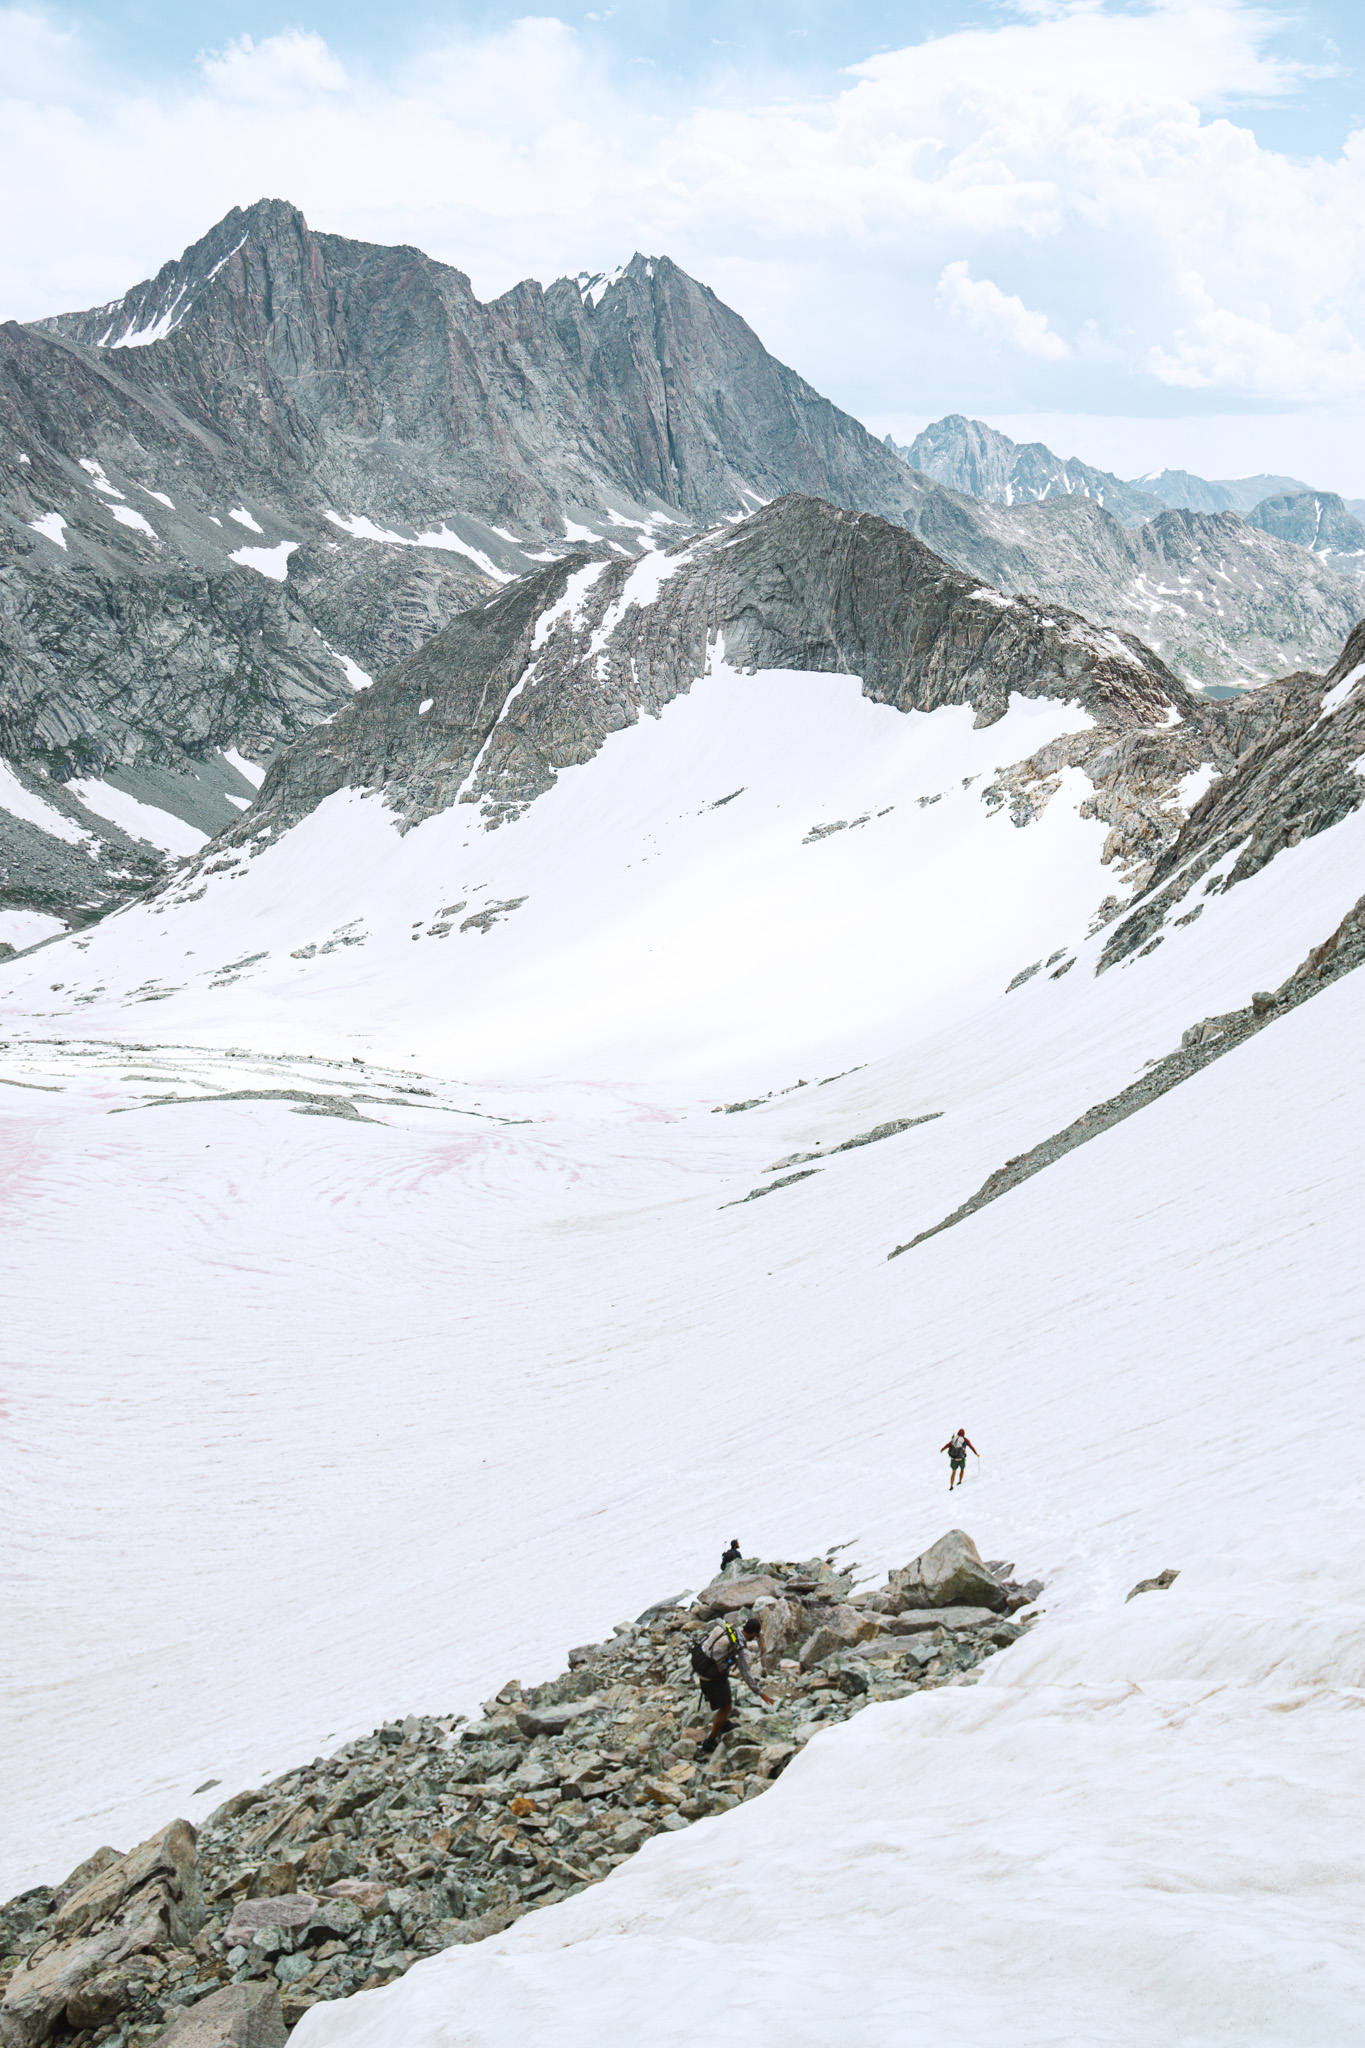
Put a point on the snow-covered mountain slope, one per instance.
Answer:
(237, 494)
(386, 1377)
(965, 718)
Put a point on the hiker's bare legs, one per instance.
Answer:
(718, 1724)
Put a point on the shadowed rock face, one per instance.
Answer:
(490, 710)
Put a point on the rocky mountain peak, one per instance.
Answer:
(970, 456)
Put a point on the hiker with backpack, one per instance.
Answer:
(713, 1655)
(957, 1448)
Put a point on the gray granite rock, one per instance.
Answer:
(239, 2016)
(951, 1573)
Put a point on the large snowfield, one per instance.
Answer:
(316, 1421)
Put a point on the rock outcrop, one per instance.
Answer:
(103, 1923)
(438, 1831)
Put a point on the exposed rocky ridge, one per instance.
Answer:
(273, 377)
(434, 1831)
(1300, 775)
(491, 709)
(1219, 604)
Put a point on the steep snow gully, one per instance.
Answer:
(386, 1318)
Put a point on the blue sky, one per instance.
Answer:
(1135, 229)
(719, 45)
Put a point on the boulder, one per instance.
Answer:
(950, 1573)
(149, 1898)
(166, 1862)
(783, 1623)
(99, 2000)
(238, 2016)
(37, 1995)
(840, 1628)
(240, 1802)
(498, 1728)
(249, 1916)
(554, 1720)
(727, 1596)
(84, 1874)
(334, 1920)
(660, 1607)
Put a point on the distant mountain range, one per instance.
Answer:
(970, 456)
(257, 481)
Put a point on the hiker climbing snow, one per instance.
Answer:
(712, 1657)
(957, 1448)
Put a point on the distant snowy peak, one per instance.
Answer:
(1181, 490)
(977, 459)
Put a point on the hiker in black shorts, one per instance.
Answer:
(957, 1448)
(712, 1657)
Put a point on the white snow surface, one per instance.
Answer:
(156, 329)
(252, 771)
(356, 676)
(390, 1410)
(365, 529)
(99, 480)
(139, 820)
(1339, 692)
(126, 516)
(23, 803)
(52, 526)
(20, 928)
(245, 518)
(271, 562)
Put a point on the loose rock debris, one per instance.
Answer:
(435, 1830)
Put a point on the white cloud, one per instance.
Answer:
(891, 239)
(1000, 316)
